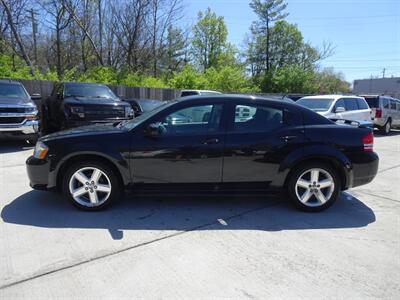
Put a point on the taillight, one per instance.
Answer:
(368, 142)
(378, 113)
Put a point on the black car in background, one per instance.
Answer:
(18, 113)
(275, 146)
(74, 104)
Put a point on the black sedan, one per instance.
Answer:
(226, 142)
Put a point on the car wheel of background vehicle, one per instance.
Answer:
(313, 186)
(91, 185)
(388, 126)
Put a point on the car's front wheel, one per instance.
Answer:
(314, 186)
(91, 185)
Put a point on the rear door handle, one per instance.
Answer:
(288, 138)
(211, 141)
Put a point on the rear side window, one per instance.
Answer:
(373, 102)
(257, 118)
(385, 103)
(351, 104)
(362, 104)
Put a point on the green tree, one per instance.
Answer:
(268, 12)
(293, 79)
(331, 82)
(209, 39)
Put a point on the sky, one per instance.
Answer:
(365, 33)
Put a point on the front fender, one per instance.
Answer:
(110, 155)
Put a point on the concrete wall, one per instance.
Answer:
(387, 86)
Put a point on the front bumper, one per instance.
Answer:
(78, 123)
(27, 127)
(38, 172)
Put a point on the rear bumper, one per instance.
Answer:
(364, 170)
(27, 127)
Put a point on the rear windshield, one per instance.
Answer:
(372, 101)
(316, 104)
(14, 91)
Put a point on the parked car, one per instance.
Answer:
(338, 107)
(18, 113)
(283, 146)
(74, 104)
(385, 112)
(141, 106)
(185, 93)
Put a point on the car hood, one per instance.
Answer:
(95, 129)
(15, 101)
(94, 101)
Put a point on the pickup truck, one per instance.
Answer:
(18, 113)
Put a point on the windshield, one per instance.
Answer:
(316, 104)
(13, 91)
(88, 91)
(130, 124)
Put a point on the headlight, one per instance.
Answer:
(129, 112)
(78, 110)
(40, 150)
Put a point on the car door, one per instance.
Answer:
(351, 112)
(188, 148)
(364, 111)
(256, 144)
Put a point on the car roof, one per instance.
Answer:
(204, 91)
(82, 83)
(334, 97)
(10, 81)
(244, 98)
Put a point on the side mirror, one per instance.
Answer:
(154, 130)
(59, 96)
(340, 109)
(36, 96)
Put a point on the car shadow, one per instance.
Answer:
(393, 132)
(182, 213)
(14, 145)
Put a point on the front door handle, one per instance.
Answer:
(211, 141)
(288, 138)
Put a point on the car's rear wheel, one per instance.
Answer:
(91, 185)
(387, 127)
(314, 186)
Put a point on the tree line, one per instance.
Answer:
(143, 43)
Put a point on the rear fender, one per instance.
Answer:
(316, 153)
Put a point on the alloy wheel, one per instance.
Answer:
(314, 187)
(90, 187)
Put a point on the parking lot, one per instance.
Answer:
(230, 246)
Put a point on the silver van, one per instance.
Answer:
(385, 112)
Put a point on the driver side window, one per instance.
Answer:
(340, 103)
(193, 120)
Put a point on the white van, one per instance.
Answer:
(338, 107)
(385, 112)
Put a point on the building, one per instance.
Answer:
(387, 86)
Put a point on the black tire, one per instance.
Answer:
(312, 205)
(385, 130)
(116, 186)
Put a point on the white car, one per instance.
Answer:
(338, 107)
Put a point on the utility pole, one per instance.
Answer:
(383, 72)
(34, 33)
